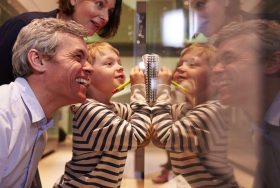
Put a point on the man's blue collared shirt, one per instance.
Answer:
(273, 114)
(22, 124)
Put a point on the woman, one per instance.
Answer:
(97, 16)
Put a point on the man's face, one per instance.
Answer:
(237, 71)
(68, 72)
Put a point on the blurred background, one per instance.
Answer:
(147, 26)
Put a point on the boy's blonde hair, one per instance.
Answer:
(206, 49)
(98, 47)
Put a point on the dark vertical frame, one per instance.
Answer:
(139, 50)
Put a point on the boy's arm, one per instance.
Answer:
(98, 128)
(137, 81)
(138, 93)
(191, 132)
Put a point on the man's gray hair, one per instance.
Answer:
(42, 35)
(267, 33)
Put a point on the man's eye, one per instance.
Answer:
(200, 4)
(77, 58)
(228, 60)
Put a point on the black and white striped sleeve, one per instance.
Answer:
(98, 128)
(195, 132)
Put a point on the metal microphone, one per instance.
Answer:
(151, 62)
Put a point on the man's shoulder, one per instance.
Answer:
(9, 94)
(10, 104)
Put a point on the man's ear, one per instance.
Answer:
(272, 66)
(36, 61)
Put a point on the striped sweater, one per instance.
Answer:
(102, 136)
(197, 140)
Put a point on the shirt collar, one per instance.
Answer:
(273, 114)
(31, 102)
(44, 124)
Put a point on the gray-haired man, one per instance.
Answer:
(50, 63)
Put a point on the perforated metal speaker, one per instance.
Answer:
(151, 62)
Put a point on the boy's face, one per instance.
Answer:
(108, 71)
(238, 71)
(194, 67)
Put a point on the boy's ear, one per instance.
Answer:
(36, 61)
(272, 67)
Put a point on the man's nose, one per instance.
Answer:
(87, 67)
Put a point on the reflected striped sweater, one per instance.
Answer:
(102, 136)
(197, 140)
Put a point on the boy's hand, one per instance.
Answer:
(164, 76)
(137, 76)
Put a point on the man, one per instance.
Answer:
(50, 63)
(248, 68)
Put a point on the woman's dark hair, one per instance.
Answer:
(110, 28)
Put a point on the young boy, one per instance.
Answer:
(196, 138)
(104, 131)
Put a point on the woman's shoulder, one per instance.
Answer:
(27, 17)
(19, 21)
